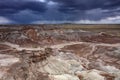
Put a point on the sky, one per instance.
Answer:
(59, 11)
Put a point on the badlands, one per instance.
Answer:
(57, 52)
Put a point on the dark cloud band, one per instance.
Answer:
(14, 6)
(28, 11)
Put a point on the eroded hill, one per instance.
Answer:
(55, 53)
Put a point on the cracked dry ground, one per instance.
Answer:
(87, 56)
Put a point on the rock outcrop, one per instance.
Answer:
(42, 54)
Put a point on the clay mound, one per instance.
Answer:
(3, 47)
(79, 49)
(102, 38)
(109, 55)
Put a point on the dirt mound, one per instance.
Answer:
(102, 38)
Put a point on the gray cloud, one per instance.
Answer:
(28, 11)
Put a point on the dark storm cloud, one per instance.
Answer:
(78, 5)
(28, 11)
(14, 6)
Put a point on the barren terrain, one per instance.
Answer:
(60, 52)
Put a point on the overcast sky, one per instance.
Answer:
(59, 11)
